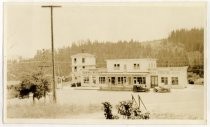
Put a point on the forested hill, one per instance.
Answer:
(193, 39)
(182, 47)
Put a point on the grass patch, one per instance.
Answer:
(12, 93)
(50, 111)
(57, 111)
(182, 116)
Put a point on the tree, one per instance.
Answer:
(36, 84)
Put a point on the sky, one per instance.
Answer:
(27, 25)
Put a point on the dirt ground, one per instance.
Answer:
(185, 103)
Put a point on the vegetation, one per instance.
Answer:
(126, 109)
(129, 111)
(163, 107)
(50, 110)
(36, 84)
(193, 39)
(108, 111)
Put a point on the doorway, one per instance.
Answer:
(113, 80)
(154, 81)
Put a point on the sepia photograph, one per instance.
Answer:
(105, 63)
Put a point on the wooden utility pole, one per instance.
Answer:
(52, 40)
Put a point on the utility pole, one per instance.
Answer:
(52, 40)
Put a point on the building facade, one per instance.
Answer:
(129, 72)
(81, 62)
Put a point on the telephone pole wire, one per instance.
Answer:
(52, 40)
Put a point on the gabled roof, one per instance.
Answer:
(83, 55)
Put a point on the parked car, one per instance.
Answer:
(190, 81)
(138, 88)
(73, 85)
(78, 84)
(162, 89)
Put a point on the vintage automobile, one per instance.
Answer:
(78, 84)
(139, 88)
(162, 89)
(73, 85)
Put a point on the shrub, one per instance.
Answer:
(36, 84)
(108, 111)
(127, 109)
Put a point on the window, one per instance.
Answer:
(121, 80)
(134, 80)
(75, 69)
(136, 66)
(86, 79)
(164, 80)
(83, 67)
(83, 60)
(117, 66)
(113, 80)
(109, 79)
(139, 80)
(102, 80)
(75, 60)
(124, 80)
(94, 80)
(174, 80)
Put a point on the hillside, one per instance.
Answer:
(172, 51)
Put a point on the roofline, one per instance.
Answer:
(83, 53)
(132, 59)
(172, 67)
(124, 73)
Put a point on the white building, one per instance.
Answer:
(81, 62)
(129, 72)
(176, 77)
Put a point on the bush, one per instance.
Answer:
(36, 84)
(127, 109)
(108, 111)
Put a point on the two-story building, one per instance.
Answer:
(129, 72)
